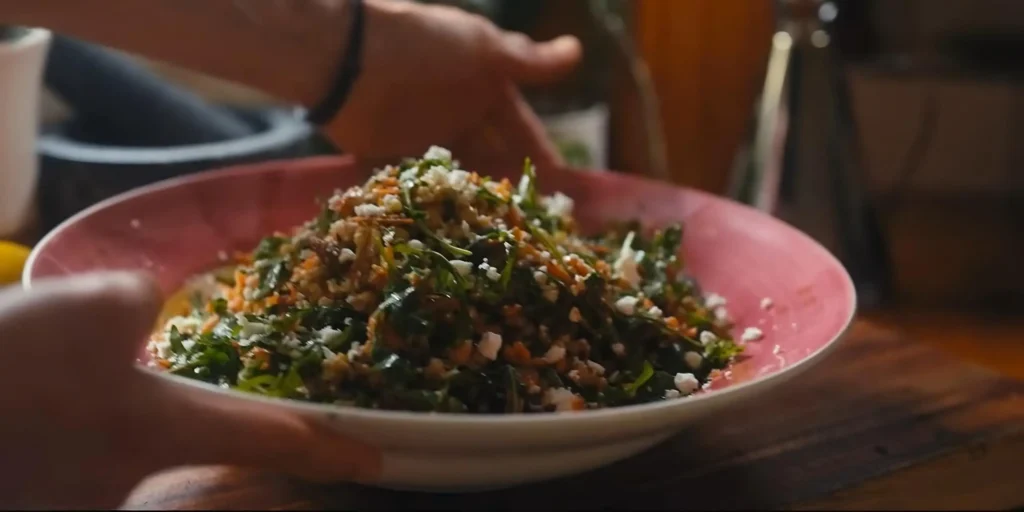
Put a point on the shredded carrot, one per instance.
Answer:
(460, 355)
(164, 363)
(578, 404)
(261, 355)
(210, 323)
(530, 251)
(513, 217)
(312, 262)
(511, 311)
(517, 353)
(383, 221)
(529, 376)
(672, 322)
(578, 266)
(383, 191)
(379, 278)
(556, 270)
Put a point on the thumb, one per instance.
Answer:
(98, 319)
(200, 428)
(527, 62)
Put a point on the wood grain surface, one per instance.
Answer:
(883, 422)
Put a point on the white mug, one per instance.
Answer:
(21, 71)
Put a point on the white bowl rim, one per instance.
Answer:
(443, 419)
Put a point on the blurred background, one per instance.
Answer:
(894, 120)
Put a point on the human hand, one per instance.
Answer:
(84, 423)
(439, 75)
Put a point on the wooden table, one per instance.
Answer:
(884, 422)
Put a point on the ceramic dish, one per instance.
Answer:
(775, 279)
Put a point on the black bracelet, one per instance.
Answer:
(348, 72)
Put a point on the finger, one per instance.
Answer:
(531, 63)
(201, 428)
(103, 317)
(523, 132)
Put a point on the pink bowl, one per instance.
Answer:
(176, 229)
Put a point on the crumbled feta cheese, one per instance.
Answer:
(655, 312)
(188, 344)
(561, 398)
(462, 267)
(672, 393)
(391, 203)
(489, 345)
(437, 153)
(693, 360)
(354, 351)
(721, 314)
(544, 255)
(752, 334)
(551, 294)
(627, 265)
(409, 174)
(290, 342)
(329, 334)
(184, 324)
(252, 329)
(493, 274)
(767, 303)
(714, 301)
(598, 369)
(707, 337)
(575, 316)
(533, 389)
(417, 245)
(540, 277)
(369, 210)
(619, 349)
(626, 305)
(686, 383)
(436, 177)
(574, 375)
(163, 349)
(554, 354)
(559, 205)
(458, 180)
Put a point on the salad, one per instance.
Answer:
(432, 288)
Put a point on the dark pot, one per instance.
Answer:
(85, 164)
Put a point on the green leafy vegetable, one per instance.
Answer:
(645, 375)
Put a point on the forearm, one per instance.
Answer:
(288, 48)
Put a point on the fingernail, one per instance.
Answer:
(140, 285)
(565, 44)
